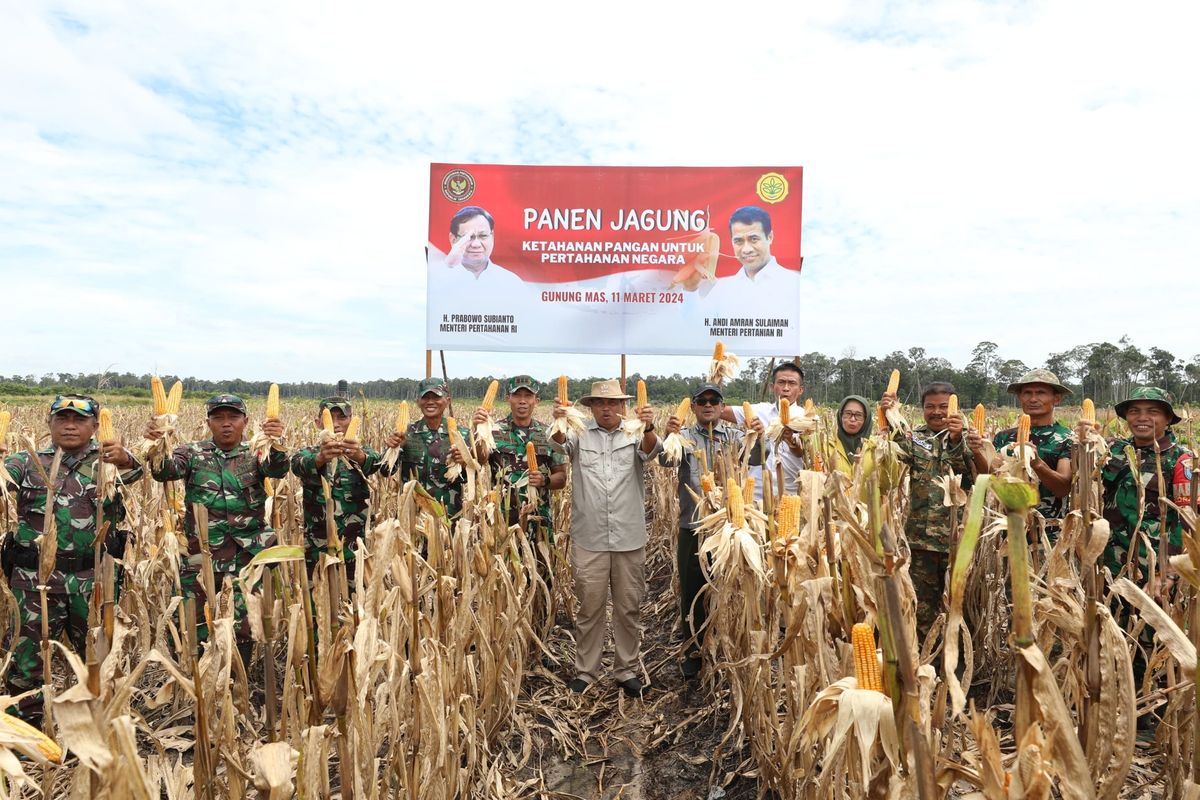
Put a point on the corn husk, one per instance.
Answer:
(674, 444)
(632, 424)
(260, 443)
(724, 365)
(391, 456)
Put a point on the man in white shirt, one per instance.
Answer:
(787, 381)
(762, 288)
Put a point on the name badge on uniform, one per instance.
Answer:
(923, 443)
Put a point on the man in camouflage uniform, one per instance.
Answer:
(703, 443)
(223, 475)
(348, 486)
(1039, 392)
(1149, 414)
(427, 451)
(931, 451)
(510, 466)
(73, 422)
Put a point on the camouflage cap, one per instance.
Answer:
(1038, 376)
(80, 404)
(1152, 394)
(340, 403)
(435, 385)
(225, 401)
(523, 382)
(708, 387)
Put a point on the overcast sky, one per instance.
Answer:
(240, 189)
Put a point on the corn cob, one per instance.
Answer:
(45, 745)
(642, 400)
(734, 504)
(175, 397)
(748, 488)
(106, 432)
(681, 410)
(719, 351)
(1023, 423)
(562, 389)
(788, 520)
(980, 417)
(893, 382)
(402, 417)
(160, 396)
(489, 397)
(809, 407)
(881, 418)
(952, 410)
(748, 413)
(706, 482)
(866, 666)
(785, 411)
(818, 463)
(531, 456)
(273, 401)
(269, 487)
(5, 419)
(326, 420)
(1089, 410)
(352, 429)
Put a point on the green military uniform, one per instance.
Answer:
(69, 587)
(1120, 480)
(1053, 442)
(510, 468)
(698, 439)
(929, 457)
(349, 491)
(229, 484)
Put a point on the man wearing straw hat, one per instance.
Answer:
(608, 532)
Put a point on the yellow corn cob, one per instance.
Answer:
(734, 504)
(531, 456)
(788, 520)
(562, 389)
(952, 410)
(269, 487)
(808, 407)
(866, 666)
(106, 432)
(893, 382)
(980, 417)
(273, 401)
(706, 482)
(1089, 410)
(5, 419)
(681, 410)
(326, 420)
(748, 413)
(402, 417)
(1023, 423)
(641, 394)
(489, 397)
(45, 745)
(175, 397)
(352, 429)
(785, 411)
(160, 396)
(881, 418)
(818, 464)
(719, 352)
(748, 488)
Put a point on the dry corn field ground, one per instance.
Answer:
(428, 681)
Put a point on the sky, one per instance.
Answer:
(240, 189)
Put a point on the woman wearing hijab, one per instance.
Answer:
(853, 428)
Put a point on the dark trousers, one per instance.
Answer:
(928, 573)
(691, 581)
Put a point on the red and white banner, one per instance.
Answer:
(650, 260)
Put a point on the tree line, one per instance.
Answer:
(1103, 371)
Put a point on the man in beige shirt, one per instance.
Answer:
(608, 532)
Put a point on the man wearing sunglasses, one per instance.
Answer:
(73, 422)
(223, 474)
(703, 444)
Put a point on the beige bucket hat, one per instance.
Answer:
(605, 390)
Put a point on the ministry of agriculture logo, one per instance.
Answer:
(458, 185)
(772, 187)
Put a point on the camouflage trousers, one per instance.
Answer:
(193, 586)
(313, 550)
(927, 569)
(67, 608)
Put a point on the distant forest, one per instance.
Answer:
(1103, 371)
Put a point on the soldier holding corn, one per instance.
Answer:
(427, 450)
(931, 451)
(223, 474)
(348, 487)
(73, 423)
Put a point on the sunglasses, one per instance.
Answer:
(81, 405)
(707, 401)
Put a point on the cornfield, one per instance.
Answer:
(426, 678)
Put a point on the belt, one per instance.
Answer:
(27, 558)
